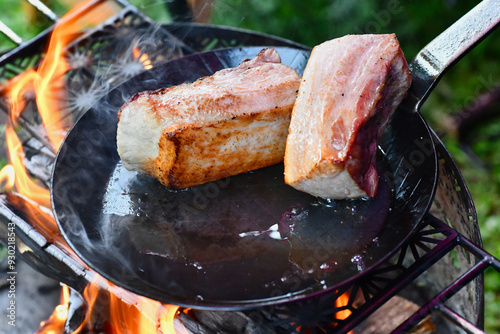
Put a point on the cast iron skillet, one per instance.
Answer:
(248, 240)
(242, 241)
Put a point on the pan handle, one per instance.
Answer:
(441, 53)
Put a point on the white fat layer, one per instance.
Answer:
(138, 135)
(331, 186)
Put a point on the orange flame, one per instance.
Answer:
(115, 310)
(7, 177)
(53, 324)
(42, 81)
(46, 82)
(23, 183)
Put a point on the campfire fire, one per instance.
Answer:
(116, 311)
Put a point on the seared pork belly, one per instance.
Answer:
(231, 122)
(350, 88)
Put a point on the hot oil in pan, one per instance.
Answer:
(329, 236)
(246, 228)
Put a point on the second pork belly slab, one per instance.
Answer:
(350, 88)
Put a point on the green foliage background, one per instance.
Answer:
(415, 24)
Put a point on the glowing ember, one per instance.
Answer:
(131, 63)
(342, 303)
(143, 59)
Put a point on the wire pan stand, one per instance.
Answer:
(433, 241)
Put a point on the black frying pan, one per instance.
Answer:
(248, 240)
(244, 241)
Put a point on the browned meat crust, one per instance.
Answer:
(229, 123)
